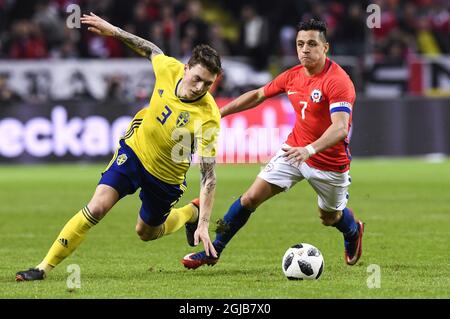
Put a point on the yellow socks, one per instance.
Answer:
(68, 239)
(76, 229)
(180, 216)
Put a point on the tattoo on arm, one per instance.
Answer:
(208, 174)
(139, 45)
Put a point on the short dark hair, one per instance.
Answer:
(316, 25)
(206, 56)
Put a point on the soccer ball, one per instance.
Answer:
(302, 261)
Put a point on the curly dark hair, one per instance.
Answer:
(316, 25)
(206, 56)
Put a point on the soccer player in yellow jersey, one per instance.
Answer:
(155, 153)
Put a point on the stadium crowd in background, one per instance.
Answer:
(36, 29)
(256, 36)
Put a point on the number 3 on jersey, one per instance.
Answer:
(305, 105)
(164, 115)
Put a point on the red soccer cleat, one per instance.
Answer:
(195, 260)
(353, 249)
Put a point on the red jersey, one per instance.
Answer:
(314, 98)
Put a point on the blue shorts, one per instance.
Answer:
(126, 174)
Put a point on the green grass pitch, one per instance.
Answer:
(404, 203)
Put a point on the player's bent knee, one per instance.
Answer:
(144, 237)
(149, 233)
(98, 210)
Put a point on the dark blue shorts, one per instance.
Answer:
(126, 174)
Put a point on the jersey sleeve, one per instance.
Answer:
(341, 94)
(277, 85)
(163, 63)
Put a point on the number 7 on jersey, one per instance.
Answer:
(305, 105)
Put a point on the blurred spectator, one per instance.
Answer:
(79, 86)
(217, 41)
(69, 46)
(156, 35)
(152, 9)
(27, 41)
(102, 7)
(319, 10)
(115, 87)
(66, 51)
(191, 25)
(287, 36)
(440, 24)
(141, 21)
(2, 18)
(350, 32)
(408, 19)
(261, 31)
(36, 29)
(6, 94)
(38, 87)
(389, 20)
(168, 29)
(426, 41)
(47, 18)
(185, 48)
(254, 37)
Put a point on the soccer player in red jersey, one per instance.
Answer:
(323, 96)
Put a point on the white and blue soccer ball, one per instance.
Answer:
(302, 261)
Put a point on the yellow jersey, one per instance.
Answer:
(165, 134)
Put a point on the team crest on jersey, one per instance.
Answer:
(183, 119)
(122, 158)
(316, 95)
(160, 92)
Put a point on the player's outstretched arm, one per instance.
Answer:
(103, 27)
(207, 191)
(244, 102)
